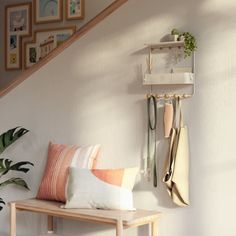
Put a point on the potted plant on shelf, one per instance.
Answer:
(7, 165)
(190, 44)
(174, 35)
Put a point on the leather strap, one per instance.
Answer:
(152, 130)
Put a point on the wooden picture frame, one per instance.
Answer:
(18, 23)
(44, 42)
(75, 9)
(47, 11)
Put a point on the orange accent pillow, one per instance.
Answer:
(60, 158)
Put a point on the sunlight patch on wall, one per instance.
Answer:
(218, 6)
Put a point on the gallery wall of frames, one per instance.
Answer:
(24, 47)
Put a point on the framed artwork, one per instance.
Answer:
(48, 11)
(18, 23)
(44, 41)
(74, 9)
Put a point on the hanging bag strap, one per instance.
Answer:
(152, 129)
(178, 114)
(170, 164)
(178, 123)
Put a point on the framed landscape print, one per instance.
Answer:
(74, 9)
(44, 42)
(18, 23)
(48, 11)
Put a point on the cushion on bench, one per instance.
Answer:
(60, 158)
(103, 189)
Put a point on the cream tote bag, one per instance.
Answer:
(176, 175)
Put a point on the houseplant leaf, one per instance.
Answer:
(9, 137)
(1, 203)
(5, 166)
(16, 181)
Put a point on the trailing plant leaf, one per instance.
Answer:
(190, 44)
(16, 181)
(9, 137)
(1, 203)
(5, 166)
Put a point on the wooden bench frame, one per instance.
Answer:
(120, 219)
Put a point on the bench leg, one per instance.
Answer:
(13, 219)
(50, 225)
(119, 228)
(154, 228)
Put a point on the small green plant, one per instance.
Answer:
(7, 165)
(175, 32)
(190, 44)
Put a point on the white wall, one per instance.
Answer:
(92, 93)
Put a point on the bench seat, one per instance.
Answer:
(120, 219)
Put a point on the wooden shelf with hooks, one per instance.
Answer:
(173, 78)
(162, 45)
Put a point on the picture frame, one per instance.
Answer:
(44, 42)
(47, 11)
(75, 9)
(18, 23)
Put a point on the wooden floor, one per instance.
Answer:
(120, 219)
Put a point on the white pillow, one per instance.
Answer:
(103, 189)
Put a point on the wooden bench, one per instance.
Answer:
(120, 219)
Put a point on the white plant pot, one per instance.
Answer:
(173, 38)
(181, 38)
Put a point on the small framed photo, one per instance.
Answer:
(31, 54)
(75, 9)
(45, 41)
(13, 52)
(18, 23)
(48, 11)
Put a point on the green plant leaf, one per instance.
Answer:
(5, 166)
(16, 181)
(175, 32)
(1, 203)
(18, 166)
(9, 137)
(190, 44)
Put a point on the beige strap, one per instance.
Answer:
(178, 120)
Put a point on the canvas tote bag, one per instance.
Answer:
(176, 175)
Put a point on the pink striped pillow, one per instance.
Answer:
(60, 158)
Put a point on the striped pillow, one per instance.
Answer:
(60, 158)
(103, 189)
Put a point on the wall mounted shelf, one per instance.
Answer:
(184, 78)
(173, 78)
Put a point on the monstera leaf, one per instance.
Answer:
(9, 137)
(1, 203)
(6, 166)
(16, 181)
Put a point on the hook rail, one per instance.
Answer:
(169, 96)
